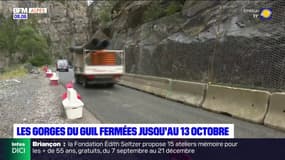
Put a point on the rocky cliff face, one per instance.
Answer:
(206, 41)
(65, 24)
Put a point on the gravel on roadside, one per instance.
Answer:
(31, 99)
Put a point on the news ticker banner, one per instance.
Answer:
(142, 149)
(128, 131)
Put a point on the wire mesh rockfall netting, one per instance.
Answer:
(221, 42)
(254, 55)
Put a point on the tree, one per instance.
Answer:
(30, 42)
(22, 36)
(8, 34)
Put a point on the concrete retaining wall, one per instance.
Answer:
(242, 103)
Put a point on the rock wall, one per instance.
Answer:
(207, 41)
(66, 24)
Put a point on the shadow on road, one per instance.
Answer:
(96, 86)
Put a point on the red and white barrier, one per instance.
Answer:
(54, 79)
(72, 105)
(69, 85)
(45, 68)
(48, 73)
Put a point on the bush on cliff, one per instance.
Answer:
(160, 9)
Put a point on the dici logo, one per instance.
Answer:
(18, 149)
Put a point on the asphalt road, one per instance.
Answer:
(125, 105)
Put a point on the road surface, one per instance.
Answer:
(125, 105)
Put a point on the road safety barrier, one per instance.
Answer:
(54, 79)
(45, 68)
(127, 80)
(69, 85)
(72, 105)
(155, 85)
(49, 73)
(248, 104)
(188, 92)
(242, 103)
(184, 91)
(275, 116)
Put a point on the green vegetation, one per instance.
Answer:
(40, 60)
(173, 7)
(23, 37)
(8, 32)
(104, 12)
(61, 1)
(30, 42)
(154, 11)
(104, 17)
(17, 71)
(158, 9)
